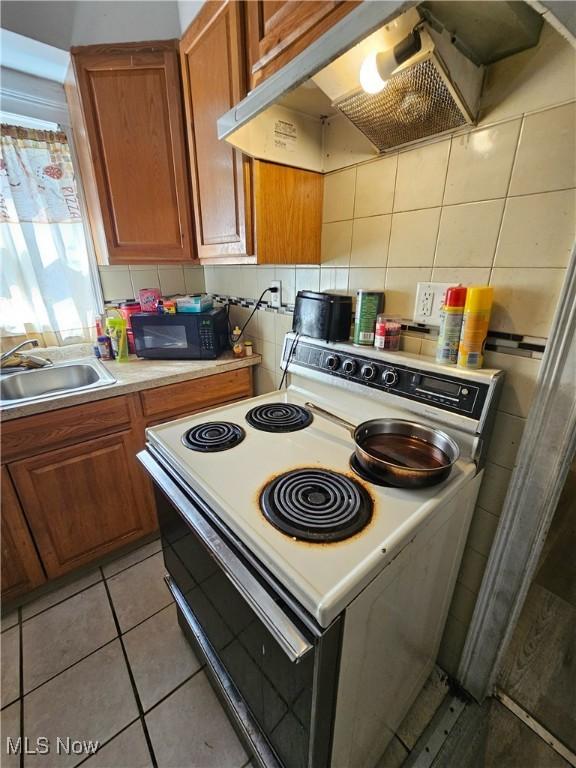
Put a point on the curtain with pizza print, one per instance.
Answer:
(46, 288)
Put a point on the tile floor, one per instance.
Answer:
(103, 658)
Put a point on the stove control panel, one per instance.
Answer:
(453, 393)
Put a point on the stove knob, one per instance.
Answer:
(349, 367)
(332, 362)
(369, 372)
(390, 377)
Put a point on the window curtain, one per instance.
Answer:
(46, 287)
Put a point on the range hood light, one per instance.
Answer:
(377, 67)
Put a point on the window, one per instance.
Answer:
(47, 286)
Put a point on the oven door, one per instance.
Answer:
(277, 675)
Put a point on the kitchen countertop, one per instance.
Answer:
(135, 375)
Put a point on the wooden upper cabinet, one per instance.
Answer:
(21, 568)
(131, 105)
(213, 75)
(279, 31)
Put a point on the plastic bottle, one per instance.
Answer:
(238, 347)
(475, 326)
(116, 327)
(451, 317)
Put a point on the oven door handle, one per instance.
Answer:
(280, 626)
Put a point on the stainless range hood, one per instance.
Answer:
(314, 114)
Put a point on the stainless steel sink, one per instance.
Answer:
(60, 379)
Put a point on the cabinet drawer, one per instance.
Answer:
(54, 429)
(198, 394)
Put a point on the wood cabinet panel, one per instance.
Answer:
(212, 59)
(21, 568)
(83, 501)
(132, 107)
(279, 31)
(294, 235)
(196, 395)
(54, 429)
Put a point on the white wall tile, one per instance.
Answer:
(462, 275)
(534, 79)
(144, 278)
(546, 157)
(307, 279)
(421, 177)
(334, 279)
(116, 283)
(282, 326)
(171, 280)
(494, 487)
(472, 569)
(367, 278)
(482, 531)
(264, 380)
(519, 383)
(538, 230)
(401, 289)
(268, 351)
(287, 275)
(336, 244)
(370, 238)
(194, 279)
(339, 195)
(413, 238)
(480, 163)
(505, 439)
(375, 187)
(410, 344)
(525, 299)
(266, 325)
(468, 234)
(463, 603)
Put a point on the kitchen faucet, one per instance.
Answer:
(38, 362)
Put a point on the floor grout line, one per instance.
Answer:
(74, 594)
(132, 680)
(105, 743)
(21, 682)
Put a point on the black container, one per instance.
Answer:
(326, 316)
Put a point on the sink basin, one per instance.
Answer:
(60, 379)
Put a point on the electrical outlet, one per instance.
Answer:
(276, 298)
(429, 299)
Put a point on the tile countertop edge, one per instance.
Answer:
(134, 376)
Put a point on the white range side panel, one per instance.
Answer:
(392, 634)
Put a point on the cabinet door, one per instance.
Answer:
(84, 501)
(278, 31)
(212, 58)
(21, 568)
(131, 102)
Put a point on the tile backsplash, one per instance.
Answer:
(121, 283)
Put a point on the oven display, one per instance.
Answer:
(440, 386)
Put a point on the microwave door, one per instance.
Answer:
(164, 337)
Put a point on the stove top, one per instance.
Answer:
(279, 417)
(316, 505)
(322, 576)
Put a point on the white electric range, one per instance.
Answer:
(318, 639)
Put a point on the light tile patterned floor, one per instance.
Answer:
(103, 658)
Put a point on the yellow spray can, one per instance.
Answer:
(475, 326)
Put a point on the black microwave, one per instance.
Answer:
(183, 336)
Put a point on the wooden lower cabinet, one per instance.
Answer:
(21, 567)
(84, 501)
(73, 489)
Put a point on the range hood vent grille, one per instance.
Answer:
(416, 103)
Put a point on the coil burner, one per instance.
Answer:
(213, 436)
(316, 505)
(279, 417)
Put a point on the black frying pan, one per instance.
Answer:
(400, 452)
